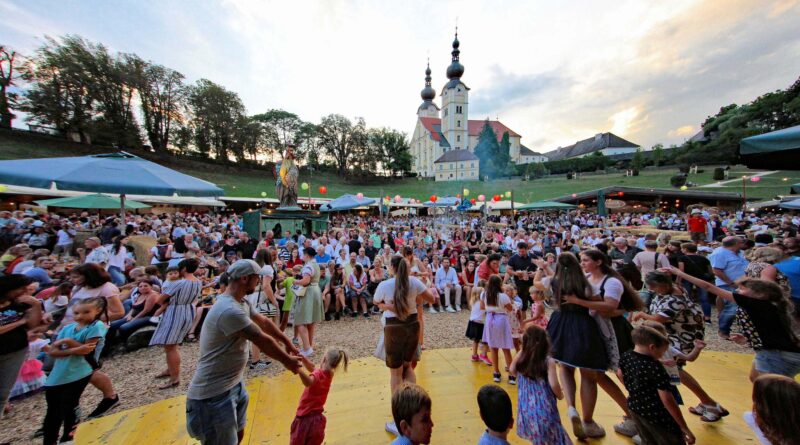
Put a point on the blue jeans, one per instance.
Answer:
(125, 328)
(702, 296)
(217, 420)
(117, 275)
(728, 313)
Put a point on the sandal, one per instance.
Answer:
(191, 338)
(169, 385)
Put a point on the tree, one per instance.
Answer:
(638, 160)
(7, 71)
(658, 154)
(217, 117)
(342, 140)
(486, 149)
(61, 94)
(502, 159)
(162, 96)
(279, 129)
(113, 86)
(393, 150)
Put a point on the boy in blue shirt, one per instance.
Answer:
(495, 407)
(411, 410)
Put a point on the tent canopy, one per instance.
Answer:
(793, 204)
(760, 151)
(346, 202)
(542, 205)
(443, 201)
(120, 173)
(97, 201)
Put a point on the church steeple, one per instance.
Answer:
(428, 93)
(456, 69)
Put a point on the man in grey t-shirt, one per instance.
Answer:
(216, 402)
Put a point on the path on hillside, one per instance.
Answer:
(730, 181)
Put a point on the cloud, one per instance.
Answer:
(508, 91)
(684, 131)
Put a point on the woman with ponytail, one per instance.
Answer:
(399, 298)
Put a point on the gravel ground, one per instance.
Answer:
(132, 373)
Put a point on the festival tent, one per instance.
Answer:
(546, 205)
(776, 150)
(346, 202)
(95, 201)
(444, 201)
(793, 204)
(120, 173)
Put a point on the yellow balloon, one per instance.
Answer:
(263, 194)
(508, 194)
(3, 188)
(683, 187)
(304, 186)
(466, 192)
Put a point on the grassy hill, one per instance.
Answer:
(247, 182)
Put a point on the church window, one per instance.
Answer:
(458, 124)
(458, 138)
(462, 165)
(451, 175)
(472, 165)
(458, 109)
(462, 174)
(458, 89)
(445, 111)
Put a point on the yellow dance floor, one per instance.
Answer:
(358, 406)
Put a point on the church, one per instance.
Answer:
(445, 138)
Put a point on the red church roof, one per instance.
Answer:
(474, 127)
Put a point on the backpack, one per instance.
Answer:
(161, 252)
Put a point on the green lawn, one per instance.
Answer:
(250, 183)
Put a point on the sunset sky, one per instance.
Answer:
(555, 72)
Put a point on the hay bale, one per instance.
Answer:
(141, 245)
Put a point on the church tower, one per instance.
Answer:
(455, 101)
(428, 108)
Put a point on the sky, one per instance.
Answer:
(554, 72)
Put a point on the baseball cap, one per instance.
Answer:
(243, 268)
(695, 211)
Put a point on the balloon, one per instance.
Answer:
(304, 186)
(4, 188)
(323, 189)
(472, 201)
(397, 198)
(360, 195)
(755, 179)
(433, 198)
(481, 198)
(508, 194)
(574, 195)
(683, 187)
(466, 192)
(496, 198)
(263, 194)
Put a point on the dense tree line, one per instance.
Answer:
(85, 92)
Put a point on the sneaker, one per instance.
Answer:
(307, 352)
(354, 314)
(392, 428)
(366, 314)
(485, 359)
(458, 308)
(593, 430)
(327, 316)
(512, 380)
(259, 365)
(637, 440)
(496, 377)
(104, 406)
(450, 309)
(433, 311)
(577, 425)
(337, 316)
(296, 341)
(475, 358)
(627, 427)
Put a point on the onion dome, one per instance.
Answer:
(456, 69)
(428, 93)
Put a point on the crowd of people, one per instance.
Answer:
(623, 300)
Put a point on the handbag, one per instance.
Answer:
(299, 291)
(264, 306)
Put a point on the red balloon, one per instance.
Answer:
(621, 194)
(433, 198)
(496, 198)
(323, 189)
(472, 201)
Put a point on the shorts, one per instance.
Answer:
(654, 434)
(697, 236)
(217, 420)
(308, 430)
(773, 361)
(401, 339)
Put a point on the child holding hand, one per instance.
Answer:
(308, 427)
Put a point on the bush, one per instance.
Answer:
(678, 180)
(635, 172)
(683, 168)
(719, 174)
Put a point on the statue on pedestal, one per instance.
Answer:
(286, 179)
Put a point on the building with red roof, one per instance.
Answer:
(440, 130)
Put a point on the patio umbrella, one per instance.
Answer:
(95, 201)
(121, 173)
(346, 202)
(445, 201)
(542, 205)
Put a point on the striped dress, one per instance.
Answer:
(176, 321)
